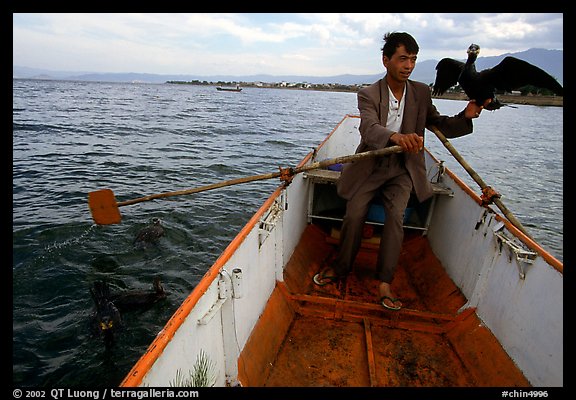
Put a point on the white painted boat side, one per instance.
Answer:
(524, 313)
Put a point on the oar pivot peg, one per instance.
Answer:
(488, 195)
(286, 175)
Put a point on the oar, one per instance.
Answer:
(105, 211)
(487, 191)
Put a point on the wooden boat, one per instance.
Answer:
(229, 89)
(482, 302)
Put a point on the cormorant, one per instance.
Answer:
(129, 300)
(512, 73)
(150, 234)
(106, 320)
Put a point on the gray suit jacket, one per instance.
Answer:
(419, 113)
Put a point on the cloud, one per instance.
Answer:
(315, 44)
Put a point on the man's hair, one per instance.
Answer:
(393, 40)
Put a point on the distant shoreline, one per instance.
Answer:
(554, 101)
(535, 100)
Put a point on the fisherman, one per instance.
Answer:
(393, 111)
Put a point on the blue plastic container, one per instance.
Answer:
(377, 214)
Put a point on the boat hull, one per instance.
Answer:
(224, 89)
(473, 315)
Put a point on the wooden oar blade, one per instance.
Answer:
(104, 207)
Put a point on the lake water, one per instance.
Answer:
(71, 138)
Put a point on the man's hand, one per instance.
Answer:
(410, 142)
(473, 110)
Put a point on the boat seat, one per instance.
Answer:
(325, 204)
(329, 176)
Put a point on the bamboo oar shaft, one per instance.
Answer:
(349, 158)
(507, 213)
(201, 188)
(294, 171)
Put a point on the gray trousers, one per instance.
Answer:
(393, 184)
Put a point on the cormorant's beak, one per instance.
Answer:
(106, 325)
(473, 50)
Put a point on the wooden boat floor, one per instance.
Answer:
(339, 335)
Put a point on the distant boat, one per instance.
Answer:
(230, 89)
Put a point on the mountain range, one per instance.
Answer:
(550, 61)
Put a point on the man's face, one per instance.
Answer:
(400, 65)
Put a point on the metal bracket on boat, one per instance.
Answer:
(228, 286)
(440, 169)
(516, 249)
(482, 219)
(314, 153)
(268, 221)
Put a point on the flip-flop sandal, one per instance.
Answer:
(393, 300)
(322, 280)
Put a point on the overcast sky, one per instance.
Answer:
(273, 43)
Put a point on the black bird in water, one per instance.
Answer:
(130, 300)
(512, 73)
(149, 234)
(106, 320)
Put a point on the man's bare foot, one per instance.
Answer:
(387, 298)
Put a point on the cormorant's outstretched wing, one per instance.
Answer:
(447, 73)
(513, 73)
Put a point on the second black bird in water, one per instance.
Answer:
(130, 300)
(150, 234)
(107, 320)
(510, 74)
